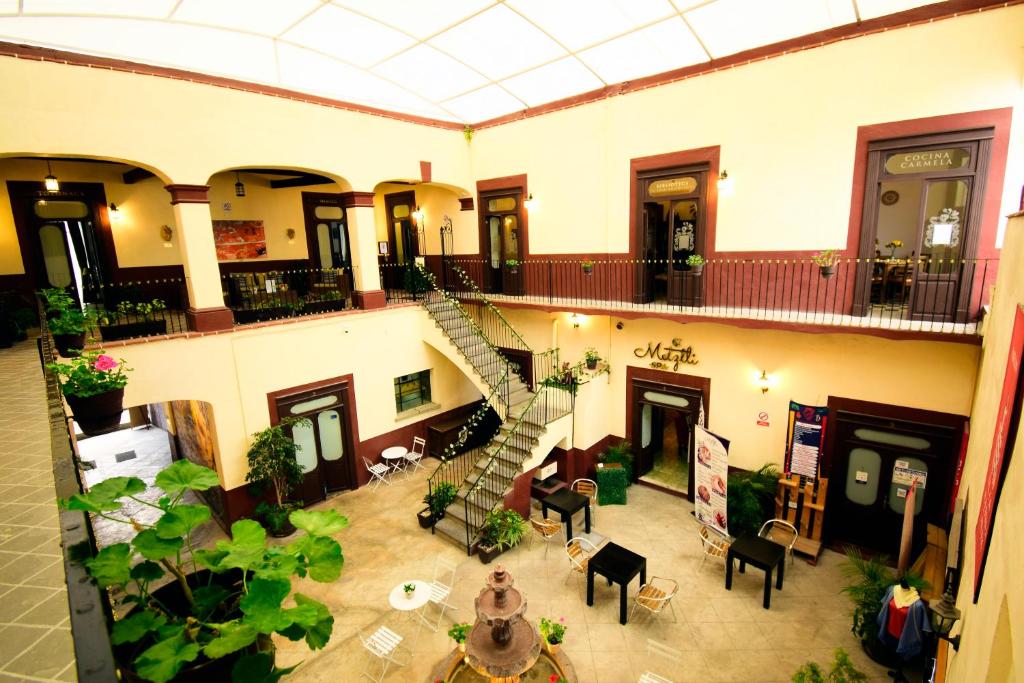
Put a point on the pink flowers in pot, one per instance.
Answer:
(105, 363)
(92, 373)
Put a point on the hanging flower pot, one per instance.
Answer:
(69, 345)
(98, 413)
(696, 263)
(827, 271)
(826, 262)
(588, 266)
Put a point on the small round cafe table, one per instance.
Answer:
(419, 598)
(395, 457)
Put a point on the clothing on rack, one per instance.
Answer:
(903, 621)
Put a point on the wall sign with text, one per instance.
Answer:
(668, 355)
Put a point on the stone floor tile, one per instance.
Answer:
(50, 612)
(21, 599)
(46, 658)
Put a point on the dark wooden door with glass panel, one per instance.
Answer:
(920, 227)
(403, 238)
(501, 243)
(327, 237)
(325, 442)
(663, 418)
(867, 495)
(671, 220)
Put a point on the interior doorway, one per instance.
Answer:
(325, 442)
(327, 235)
(501, 241)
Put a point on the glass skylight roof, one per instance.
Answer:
(455, 60)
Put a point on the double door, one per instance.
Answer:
(324, 442)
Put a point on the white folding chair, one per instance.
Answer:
(782, 532)
(413, 457)
(383, 645)
(379, 473)
(655, 651)
(440, 590)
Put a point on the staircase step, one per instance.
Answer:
(452, 529)
(521, 427)
(494, 485)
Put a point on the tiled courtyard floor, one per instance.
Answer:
(724, 635)
(35, 638)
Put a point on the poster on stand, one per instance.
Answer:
(710, 479)
(805, 439)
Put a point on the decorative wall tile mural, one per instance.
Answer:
(236, 240)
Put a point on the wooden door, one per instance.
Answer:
(502, 242)
(325, 443)
(936, 282)
(403, 239)
(866, 505)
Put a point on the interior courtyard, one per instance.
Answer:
(511, 340)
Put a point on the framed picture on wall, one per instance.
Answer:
(382, 248)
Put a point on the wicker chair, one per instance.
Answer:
(655, 595)
(579, 551)
(714, 545)
(782, 532)
(588, 488)
(546, 529)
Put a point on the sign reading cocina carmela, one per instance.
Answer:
(675, 354)
(927, 160)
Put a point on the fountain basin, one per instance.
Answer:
(454, 669)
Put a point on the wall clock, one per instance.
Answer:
(890, 197)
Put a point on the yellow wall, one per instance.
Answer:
(436, 202)
(804, 367)
(786, 127)
(145, 206)
(992, 648)
(235, 372)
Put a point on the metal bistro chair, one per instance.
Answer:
(782, 532)
(413, 457)
(588, 488)
(579, 551)
(382, 644)
(440, 589)
(546, 529)
(656, 650)
(713, 544)
(655, 595)
(379, 473)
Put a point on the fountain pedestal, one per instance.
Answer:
(501, 645)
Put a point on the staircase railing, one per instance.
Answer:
(495, 326)
(491, 367)
(455, 465)
(547, 404)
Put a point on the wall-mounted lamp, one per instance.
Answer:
(725, 184)
(239, 186)
(166, 232)
(530, 202)
(418, 215)
(764, 382)
(945, 614)
(575, 320)
(50, 181)
(290, 233)
(115, 213)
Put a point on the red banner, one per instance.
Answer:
(996, 463)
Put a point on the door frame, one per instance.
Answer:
(311, 200)
(407, 197)
(981, 140)
(346, 385)
(507, 185)
(882, 411)
(639, 379)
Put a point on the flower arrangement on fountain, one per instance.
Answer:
(555, 678)
(459, 633)
(553, 632)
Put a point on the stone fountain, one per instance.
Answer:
(501, 645)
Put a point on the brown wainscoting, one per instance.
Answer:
(369, 299)
(262, 266)
(143, 273)
(518, 498)
(210, 319)
(580, 463)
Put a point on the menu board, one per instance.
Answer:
(710, 479)
(805, 438)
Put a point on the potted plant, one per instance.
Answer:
(437, 500)
(213, 621)
(553, 633)
(409, 589)
(133, 320)
(826, 262)
(592, 357)
(324, 302)
(459, 633)
(843, 671)
(512, 265)
(273, 464)
(621, 453)
(68, 330)
(56, 301)
(751, 499)
(502, 529)
(696, 263)
(870, 578)
(587, 265)
(93, 384)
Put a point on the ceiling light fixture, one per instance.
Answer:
(50, 181)
(725, 184)
(239, 186)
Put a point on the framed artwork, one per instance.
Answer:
(382, 247)
(237, 240)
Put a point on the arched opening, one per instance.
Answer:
(282, 241)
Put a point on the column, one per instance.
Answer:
(362, 233)
(206, 310)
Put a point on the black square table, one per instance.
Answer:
(617, 564)
(763, 554)
(566, 503)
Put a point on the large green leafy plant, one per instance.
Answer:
(503, 528)
(751, 499)
(245, 597)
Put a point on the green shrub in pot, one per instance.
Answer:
(273, 465)
(234, 597)
(751, 499)
(440, 498)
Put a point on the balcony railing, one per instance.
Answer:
(260, 296)
(920, 294)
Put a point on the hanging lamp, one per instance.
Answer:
(50, 181)
(239, 186)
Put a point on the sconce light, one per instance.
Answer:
(418, 214)
(166, 232)
(725, 184)
(764, 382)
(290, 232)
(115, 213)
(530, 202)
(50, 181)
(944, 615)
(575, 320)
(239, 186)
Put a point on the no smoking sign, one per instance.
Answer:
(762, 419)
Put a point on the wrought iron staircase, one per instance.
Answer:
(482, 476)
